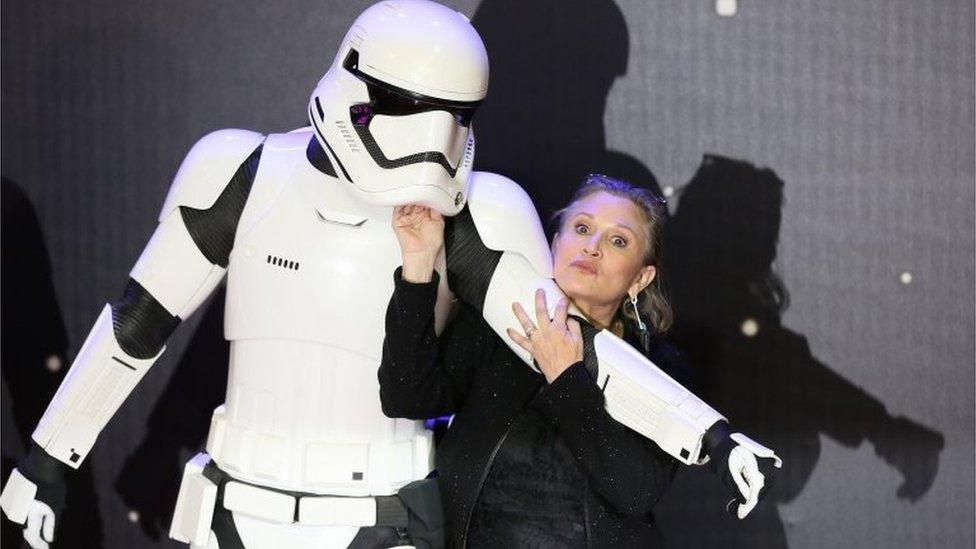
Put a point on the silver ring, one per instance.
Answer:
(530, 331)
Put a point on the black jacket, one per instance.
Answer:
(469, 371)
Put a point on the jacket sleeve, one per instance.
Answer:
(422, 376)
(627, 469)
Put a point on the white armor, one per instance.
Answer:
(638, 393)
(302, 410)
(446, 67)
(308, 280)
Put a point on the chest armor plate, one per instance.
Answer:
(308, 284)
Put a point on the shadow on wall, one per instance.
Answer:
(551, 72)
(34, 360)
(719, 251)
(542, 125)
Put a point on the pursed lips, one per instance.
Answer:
(585, 266)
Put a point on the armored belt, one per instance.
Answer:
(285, 506)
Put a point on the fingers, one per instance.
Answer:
(559, 319)
(409, 213)
(522, 317)
(560, 315)
(33, 538)
(573, 326)
(519, 339)
(755, 480)
(32, 530)
(418, 210)
(401, 216)
(47, 527)
(748, 479)
(408, 209)
(749, 505)
(736, 466)
(541, 309)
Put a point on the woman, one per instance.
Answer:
(535, 460)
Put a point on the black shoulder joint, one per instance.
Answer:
(590, 360)
(142, 325)
(470, 264)
(213, 229)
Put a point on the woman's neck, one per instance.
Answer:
(599, 315)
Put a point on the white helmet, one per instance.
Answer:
(394, 111)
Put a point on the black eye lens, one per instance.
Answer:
(386, 99)
(383, 101)
(361, 114)
(394, 104)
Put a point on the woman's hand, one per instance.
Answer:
(420, 232)
(555, 344)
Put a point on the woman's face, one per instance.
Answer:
(598, 253)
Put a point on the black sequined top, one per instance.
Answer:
(524, 463)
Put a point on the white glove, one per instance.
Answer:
(39, 530)
(35, 504)
(744, 472)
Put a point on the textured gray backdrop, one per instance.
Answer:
(840, 138)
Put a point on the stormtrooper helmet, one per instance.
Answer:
(394, 111)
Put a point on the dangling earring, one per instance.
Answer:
(645, 335)
(640, 323)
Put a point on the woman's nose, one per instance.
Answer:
(592, 247)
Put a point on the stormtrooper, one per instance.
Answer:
(300, 454)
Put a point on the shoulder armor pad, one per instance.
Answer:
(507, 221)
(278, 157)
(295, 139)
(208, 167)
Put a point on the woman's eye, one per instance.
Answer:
(618, 242)
(582, 229)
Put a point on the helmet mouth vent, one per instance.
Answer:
(373, 148)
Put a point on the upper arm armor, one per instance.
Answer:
(208, 167)
(499, 219)
(470, 264)
(191, 247)
(507, 221)
(183, 262)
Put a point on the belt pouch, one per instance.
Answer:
(422, 498)
(194, 505)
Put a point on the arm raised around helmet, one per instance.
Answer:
(497, 254)
(184, 261)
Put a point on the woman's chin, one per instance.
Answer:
(580, 290)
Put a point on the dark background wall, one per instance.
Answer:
(819, 164)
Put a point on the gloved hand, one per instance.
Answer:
(740, 462)
(34, 496)
(913, 450)
(39, 529)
